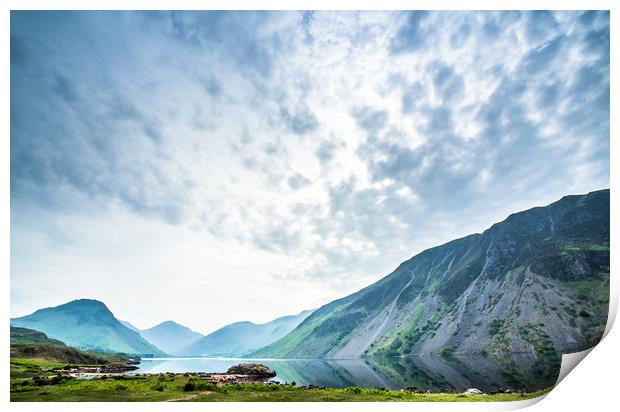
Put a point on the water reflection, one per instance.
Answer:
(436, 373)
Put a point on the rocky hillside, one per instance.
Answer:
(240, 338)
(87, 324)
(538, 282)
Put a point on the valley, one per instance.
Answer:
(492, 311)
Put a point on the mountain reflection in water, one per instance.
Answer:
(453, 373)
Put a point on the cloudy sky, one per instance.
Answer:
(210, 167)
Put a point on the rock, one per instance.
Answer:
(251, 369)
(473, 391)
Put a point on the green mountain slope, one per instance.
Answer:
(538, 282)
(170, 337)
(30, 336)
(35, 345)
(87, 324)
(240, 338)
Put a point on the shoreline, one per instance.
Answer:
(243, 382)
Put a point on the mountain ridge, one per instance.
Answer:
(240, 338)
(87, 324)
(560, 251)
(170, 336)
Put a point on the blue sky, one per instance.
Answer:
(254, 164)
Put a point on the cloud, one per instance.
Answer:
(298, 181)
(541, 57)
(411, 97)
(238, 36)
(280, 151)
(327, 150)
(212, 86)
(410, 37)
(539, 24)
(448, 84)
(369, 119)
(301, 121)
(63, 88)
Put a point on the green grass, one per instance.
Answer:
(174, 388)
(28, 368)
(571, 247)
(36, 367)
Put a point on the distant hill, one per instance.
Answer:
(170, 337)
(32, 344)
(238, 339)
(538, 282)
(87, 324)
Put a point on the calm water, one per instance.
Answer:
(456, 373)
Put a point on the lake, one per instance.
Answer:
(436, 373)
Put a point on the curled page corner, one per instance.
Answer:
(569, 361)
(515, 405)
(613, 310)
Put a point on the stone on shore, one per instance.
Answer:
(473, 391)
(252, 369)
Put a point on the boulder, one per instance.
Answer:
(473, 391)
(251, 369)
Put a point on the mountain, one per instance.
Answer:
(538, 282)
(129, 325)
(87, 324)
(240, 338)
(170, 336)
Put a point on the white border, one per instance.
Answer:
(591, 387)
(309, 5)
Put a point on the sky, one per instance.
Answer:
(213, 167)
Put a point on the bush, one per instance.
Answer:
(120, 387)
(354, 389)
(189, 386)
(158, 387)
(206, 386)
(495, 326)
(584, 314)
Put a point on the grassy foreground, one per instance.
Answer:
(33, 381)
